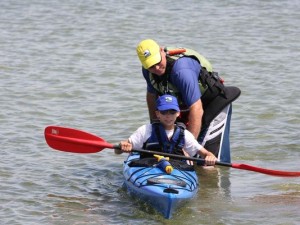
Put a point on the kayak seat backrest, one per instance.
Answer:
(149, 162)
(144, 162)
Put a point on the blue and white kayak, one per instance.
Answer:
(164, 192)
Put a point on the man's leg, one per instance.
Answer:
(216, 137)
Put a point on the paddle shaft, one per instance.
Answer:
(202, 161)
(226, 164)
(77, 141)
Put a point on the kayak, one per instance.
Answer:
(165, 191)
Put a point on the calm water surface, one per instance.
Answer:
(73, 63)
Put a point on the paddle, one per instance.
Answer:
(77, 141)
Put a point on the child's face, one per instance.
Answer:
(167, 118)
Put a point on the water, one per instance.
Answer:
(73, 63)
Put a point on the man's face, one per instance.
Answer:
(159, 68)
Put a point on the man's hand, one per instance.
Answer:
(195, 118)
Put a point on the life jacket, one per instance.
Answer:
(210, 84)
(162, 84)
(158, 141)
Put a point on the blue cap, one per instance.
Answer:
(167, 102)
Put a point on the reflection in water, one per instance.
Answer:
(216, 179)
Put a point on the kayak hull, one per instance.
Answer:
(164, 192)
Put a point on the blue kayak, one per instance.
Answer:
(164, 192)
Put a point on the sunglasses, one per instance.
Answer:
(165, 112)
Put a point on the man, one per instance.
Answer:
(205, 103)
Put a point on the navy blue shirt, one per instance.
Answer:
(184, 76)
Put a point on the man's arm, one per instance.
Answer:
(185, 78)
(195, 118)
(151, 102)
(151, 96)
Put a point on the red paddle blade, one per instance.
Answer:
(72, 140)
(266, 171)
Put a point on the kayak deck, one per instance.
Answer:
(164, 192)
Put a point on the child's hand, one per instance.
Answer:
(125, 146)
(210, 160)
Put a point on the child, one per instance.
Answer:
(166, 135)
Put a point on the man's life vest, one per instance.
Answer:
(214, 95)
(159, 141)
